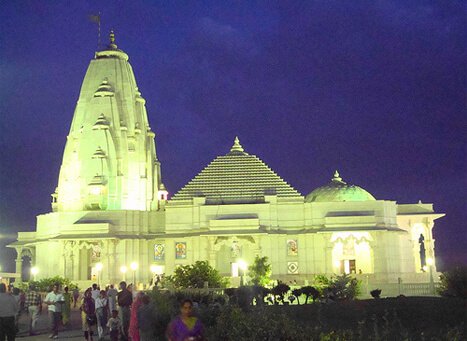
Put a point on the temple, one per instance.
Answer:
(111, 217)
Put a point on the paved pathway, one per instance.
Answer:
(72, 334)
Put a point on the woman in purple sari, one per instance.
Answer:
(185, 327)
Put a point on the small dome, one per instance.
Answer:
(338, 190)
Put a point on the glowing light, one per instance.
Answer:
(123, 269)
(95, 190)
(337, 264)
(99, 266)
(242, 265)
(134, 266)
(425, 268)
(34, 270)
(430, 261)
(157, 269)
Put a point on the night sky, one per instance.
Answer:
(374, 89)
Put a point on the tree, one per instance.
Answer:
(279, 292)
(343, 287)
(454, 282)
(260, 271)
(195, 275)
(310, 291)
(297, 293)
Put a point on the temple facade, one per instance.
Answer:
(111, 218)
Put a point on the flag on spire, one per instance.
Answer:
(95, 18)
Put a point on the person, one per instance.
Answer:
(102, 308)
(66, 307)
(114, 324)
(124, 300)
(112, 297)
(185, 326)
(146, 318)
(75, 297)
(17, 297)
(133, 330)
(95, 292)
(88, 315)
(8, 310)
(54, 301)
(33, 305)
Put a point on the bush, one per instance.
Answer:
(46, 284)
(260, 271)
(343, 287)
(195, 275)
(376, 293)
(454, 282)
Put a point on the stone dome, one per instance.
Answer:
(338, 190)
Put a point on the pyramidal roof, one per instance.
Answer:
(236, 177)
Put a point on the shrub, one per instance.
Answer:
(454, 282)
(46, 284)
(376, 293)
(343, 287)
(260, 271)
(310, 291)
(279, 292)
(195, 275)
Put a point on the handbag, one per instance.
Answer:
(91, 319)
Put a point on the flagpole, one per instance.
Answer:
(98, 31)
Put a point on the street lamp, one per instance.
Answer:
(156, 270)
(430, 261)
(243, 266)
(134, 266)
(98, 269)
(34, 271)
(123, 270)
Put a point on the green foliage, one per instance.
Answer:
(260, 271)
(195, 275)
(279, 291)
(310, 291)
(376, 293)
(321, 282)
(46, 284)
(297, 293)
(454, 282)
(342, 287)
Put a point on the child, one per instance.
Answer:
(114, 324)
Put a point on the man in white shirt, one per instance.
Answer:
(8, 311)
(54, 300)
(95, 292)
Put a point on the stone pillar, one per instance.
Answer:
(212, 252)
(111, 264)
(19, 267)
(75, 266)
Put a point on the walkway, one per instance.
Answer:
(72, 334)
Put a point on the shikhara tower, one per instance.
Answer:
(110, 209)
(110, 160)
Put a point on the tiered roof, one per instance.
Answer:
(236, 178)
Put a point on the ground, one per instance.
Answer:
(72, 334)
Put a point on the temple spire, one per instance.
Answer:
(337, 178)
(237, 147)
(112, 44)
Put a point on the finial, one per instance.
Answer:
(112, 40)
(237, 147)
(336, 177)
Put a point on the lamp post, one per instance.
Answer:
(243, 266)
(430, 263)
(34, 271)
(133, 267)
(98, 269)
(123, 270)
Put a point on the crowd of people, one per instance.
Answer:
(123, 315)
